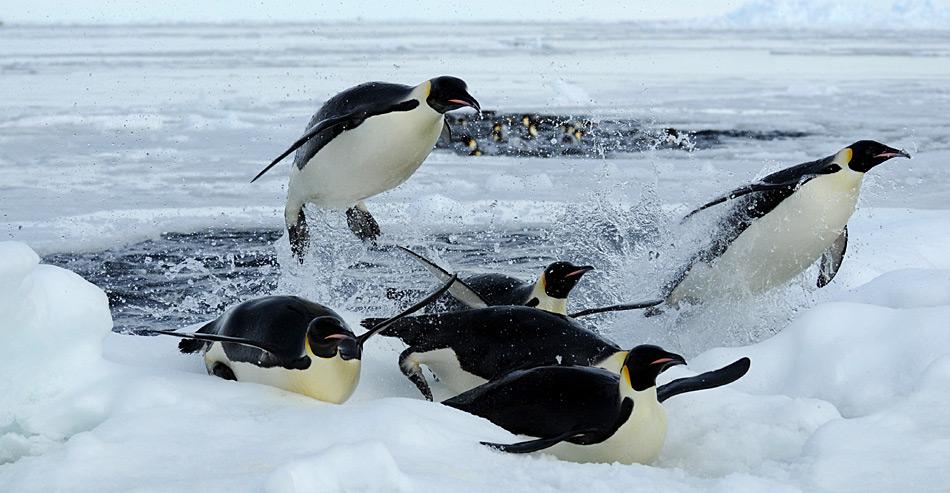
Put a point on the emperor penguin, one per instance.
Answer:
(777, 227)
(286, 342)
(549, 292)
(363, 141)
(588, 414)
(470, 347)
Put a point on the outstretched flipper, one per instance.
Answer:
(459, 290)
(325, 130)
(361, 223)
(832, 258)
(739, 192)
(616, 308)
(529, 446)
(207, 337)
(709, 380)
(299, 235)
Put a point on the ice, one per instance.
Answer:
(848, 14)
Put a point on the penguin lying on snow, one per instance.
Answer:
(589, 414)
(468, 348)
(775, 228)
(287, 342)
(548, 293)
(362, 142)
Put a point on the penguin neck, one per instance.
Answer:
(640, 397)
(421, 93)
(546, 302)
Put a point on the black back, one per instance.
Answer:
(279, 321)
(367, 98)
(548, 401)
(745, 209)
(490, 342)
(495, 289)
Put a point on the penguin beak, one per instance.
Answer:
(890, 153)
(580, 271)
(466, 100)
(668, 361)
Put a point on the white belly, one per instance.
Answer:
(446, 366)
(380, 154)
(327, 379)
(779, 245)
(639, 440)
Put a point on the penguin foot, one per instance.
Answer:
(221, 370)
(411, 369)
(299, 237)
(362, 224)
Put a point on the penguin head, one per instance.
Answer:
(449, 93)
(866, 154)
(644, 363)
(327, 336)
(559, 278)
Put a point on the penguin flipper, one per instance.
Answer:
(207, 337)
(832, 258)
(459, 290)
(617, 308)
(709, 380)
(739, 192)
(446, 134)
(331, 127)
(529, 446)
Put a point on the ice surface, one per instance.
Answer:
(112, 135)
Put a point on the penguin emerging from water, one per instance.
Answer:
(286, 342)
(362, 142)
(777, 227)
(548, 293)
(589, 414)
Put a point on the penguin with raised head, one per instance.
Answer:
(548, 293)
(286, 342)
(362, 142)
(777, 227)
(589, 414)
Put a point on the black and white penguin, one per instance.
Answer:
(549, 292)
(468, 348)
(362, 142)
(589, 414)
(777, 227)
(286, 342)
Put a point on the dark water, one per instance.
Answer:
(537, 135)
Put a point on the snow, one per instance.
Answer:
(836, 14)
(115, 134)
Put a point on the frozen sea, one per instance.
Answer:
(126, 156)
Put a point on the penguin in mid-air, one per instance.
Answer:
(548, 293)
(589, 414)
(777, 227)
(362, 142)
(286, 342)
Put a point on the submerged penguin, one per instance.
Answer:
(589, 414)
(777, 227)
(286, 342)
(548, 293)
(362, 142)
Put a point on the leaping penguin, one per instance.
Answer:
(286, 342)
(589, 414)
(777, 227)
(548, 293)
(362, 142)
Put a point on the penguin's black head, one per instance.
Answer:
(329, 335)
(866, 154)
(450, 93)
(560, 278)
(644, 363)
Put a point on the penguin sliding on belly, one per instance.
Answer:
(362, 142)
(468, 348)
(589, 414)
(777, 227)
(548, 293)
(286, 342)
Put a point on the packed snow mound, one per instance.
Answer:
(854, 15)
